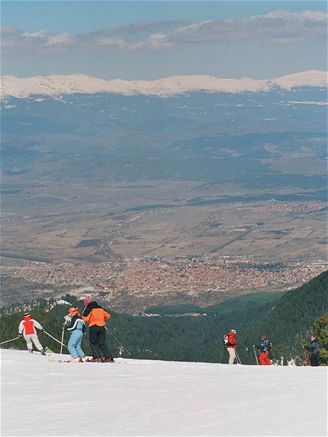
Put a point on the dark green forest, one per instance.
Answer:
(191, 333)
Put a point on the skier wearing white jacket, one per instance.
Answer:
(27, 329)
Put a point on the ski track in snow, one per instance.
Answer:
(43, 397)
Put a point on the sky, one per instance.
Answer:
(154, 39)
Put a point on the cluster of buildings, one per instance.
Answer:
(161, 275)
(296, 207)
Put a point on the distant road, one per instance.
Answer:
(216, 249)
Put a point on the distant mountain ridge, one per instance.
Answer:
(57, 85)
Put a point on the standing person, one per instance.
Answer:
(95, 316)
(77, 328)
(230, 342)
(265, 348)
(28, 329)
(314, 351)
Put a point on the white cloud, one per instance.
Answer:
(16, 42)
(61, 39)
(118, 44)
(35, 35)
(158, 41)
(300, 16)
(111, 42)
(276, 27)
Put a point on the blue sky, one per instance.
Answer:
(149, 40)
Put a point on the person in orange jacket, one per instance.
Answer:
(95, 316)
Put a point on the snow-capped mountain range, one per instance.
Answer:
(57, 85)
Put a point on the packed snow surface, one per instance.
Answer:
(57, 85)
(44, 397)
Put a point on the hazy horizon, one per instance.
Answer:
(150, 40)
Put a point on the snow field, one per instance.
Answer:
(42, 397)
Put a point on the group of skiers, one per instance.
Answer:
(265, 348)
(96, 317)
(93, 315)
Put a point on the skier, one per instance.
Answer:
(76, 326)
(28, 329)
(95, 316)
(265, 348)
(231, 344)
(314, 351)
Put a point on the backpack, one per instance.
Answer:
(225, 340)
(266, 346)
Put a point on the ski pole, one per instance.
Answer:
(49, 335)
(238, 359)
(8, 341)
(62, 341)
(118, 342)
(257, 361)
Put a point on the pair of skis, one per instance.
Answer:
(53, 360)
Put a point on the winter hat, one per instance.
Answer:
(73, 311)
(233, 331)
(86, 301)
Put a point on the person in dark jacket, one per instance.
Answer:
(265, 348)
(76, 326)
(314, 351)
(95, 316)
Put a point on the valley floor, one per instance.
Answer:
(44, 397)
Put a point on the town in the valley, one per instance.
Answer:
(149, 277)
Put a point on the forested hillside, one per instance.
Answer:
(190, 333)
(291, 318)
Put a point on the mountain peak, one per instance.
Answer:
(314, 78)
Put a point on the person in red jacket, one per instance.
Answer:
(231, 344)
(28, 329)
(95, 316)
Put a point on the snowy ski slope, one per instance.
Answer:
(44, 397)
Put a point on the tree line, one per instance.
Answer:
(190, 333)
